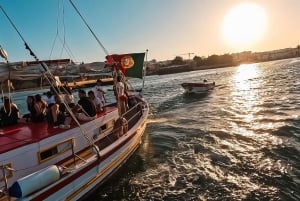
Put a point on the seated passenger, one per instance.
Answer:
(96, 100)
(40, 108)
(33, 114)
(99, 92)
(50, 98)
(69, 97)
(85, 110)
(56, 113)
(9, 113)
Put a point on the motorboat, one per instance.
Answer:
(198, 87)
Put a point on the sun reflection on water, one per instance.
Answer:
(245, 95)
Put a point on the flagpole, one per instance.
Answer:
(144, 70)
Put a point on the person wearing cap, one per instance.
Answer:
(99, 92)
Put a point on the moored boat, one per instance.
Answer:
(196, 87)
(40, 161)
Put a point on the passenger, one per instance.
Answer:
(96, 100)
(99, 92)
(57, 115)
(121, 96)
(9, 113)
(40, 107)
(50, 98)
(69, 97)
(85, 110)
(32, 115)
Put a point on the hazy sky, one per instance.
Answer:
(167, 28)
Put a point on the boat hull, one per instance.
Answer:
(89, 167)
(198, 87)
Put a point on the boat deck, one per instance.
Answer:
(12, 137)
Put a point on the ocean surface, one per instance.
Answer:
(241, 141)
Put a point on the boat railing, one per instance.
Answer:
(132, 114)
(129, 116)
(129, 120)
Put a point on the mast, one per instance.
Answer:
(145, 69)
(114, 66)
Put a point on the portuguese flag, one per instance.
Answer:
(130, 64)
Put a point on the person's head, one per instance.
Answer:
(99, 82)
(38, 97)
(6, 101)
(57, 99)
(30, 99)
(4, 98)
(81, 93)
(91, 94)
(48, 94)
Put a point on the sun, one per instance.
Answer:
(244, 25)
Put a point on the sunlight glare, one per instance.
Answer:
(244, 24)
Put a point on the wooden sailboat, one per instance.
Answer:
(42, 162)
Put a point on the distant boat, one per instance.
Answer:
(198, 87)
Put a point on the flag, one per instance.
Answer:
(130, 64)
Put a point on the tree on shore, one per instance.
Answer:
(177, 61)
(198, 60)
(213, 60)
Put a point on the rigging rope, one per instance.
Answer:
(62, 41)
(101, 45)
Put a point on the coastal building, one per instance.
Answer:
(241, 57)
(277, 54)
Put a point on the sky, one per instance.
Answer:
(166, 28)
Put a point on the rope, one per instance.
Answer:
(26, 45)
(62, 41)
(101, 45)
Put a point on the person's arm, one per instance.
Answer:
(37, 109)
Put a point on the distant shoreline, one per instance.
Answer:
(187, 68)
